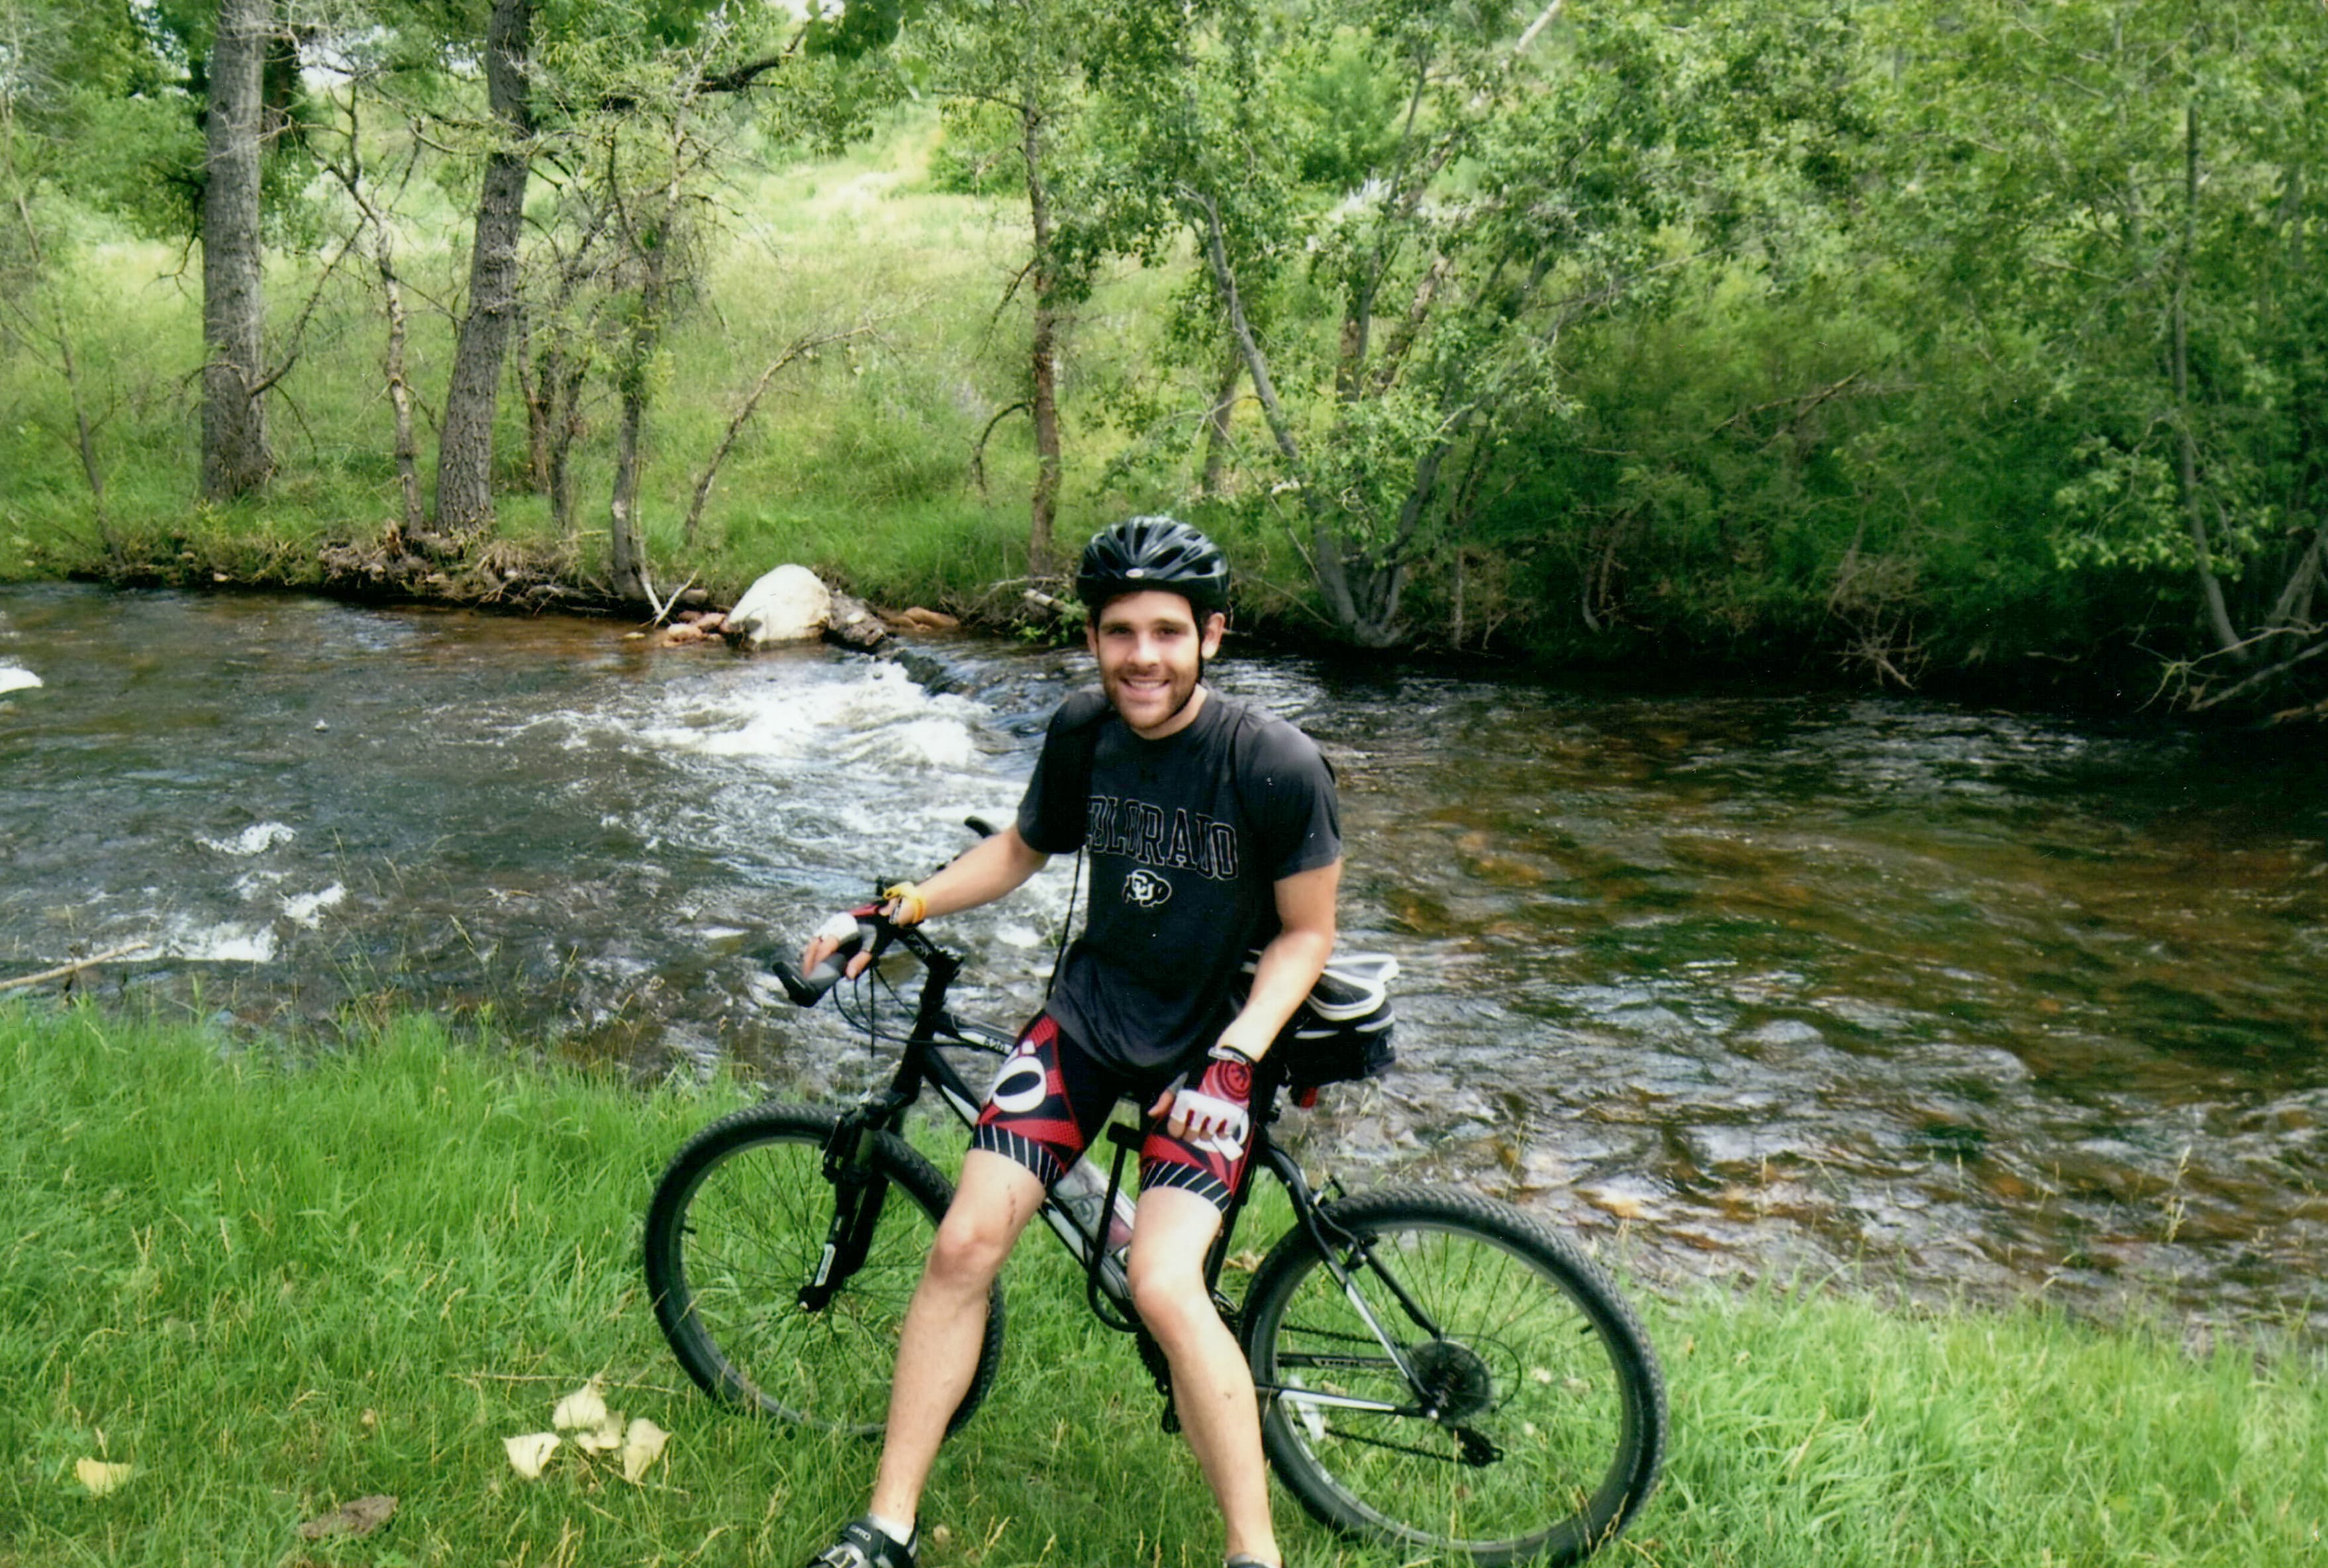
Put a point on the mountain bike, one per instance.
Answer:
(1438, 1371)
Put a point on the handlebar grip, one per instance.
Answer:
(857, 931)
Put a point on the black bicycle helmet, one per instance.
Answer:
(1163, 552)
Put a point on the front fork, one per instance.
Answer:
(858, 1192)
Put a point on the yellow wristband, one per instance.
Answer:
(911, 907)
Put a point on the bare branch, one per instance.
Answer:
(978, 451)
(75, 967)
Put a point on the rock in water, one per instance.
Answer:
(855, 625)
(789, 604)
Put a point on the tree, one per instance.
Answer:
(1450, 246)
(2125, 200)
(344, 158)
(41, 54)
(236, 460)
(465, 449)
(554, 76)
(1012, 73)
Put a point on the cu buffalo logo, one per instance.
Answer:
(1145, 890)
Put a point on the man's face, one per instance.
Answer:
(1149, 650)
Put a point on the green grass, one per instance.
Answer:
(278, 1278)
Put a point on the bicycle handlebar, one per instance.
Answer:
(857, 931)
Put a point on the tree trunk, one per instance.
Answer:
(464, 453)
(1044, 351)
(565, 430)
(626, 546)
(235, 457)
(1216, 424)
(626, 552)
(400, 389)
(2211, 586)
(535, 392)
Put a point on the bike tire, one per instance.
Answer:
(1535, 1356)
(737, 1227)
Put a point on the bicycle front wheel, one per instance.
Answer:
(738, 1228)
(1479, 1388)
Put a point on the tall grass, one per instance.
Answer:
(276, 1279)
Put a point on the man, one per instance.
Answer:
(1212, 830)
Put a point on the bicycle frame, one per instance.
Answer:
(849, 1166)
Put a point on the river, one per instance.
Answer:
(1752, 983)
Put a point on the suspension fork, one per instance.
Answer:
(860, 1191)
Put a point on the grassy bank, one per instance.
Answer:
(276, 1283)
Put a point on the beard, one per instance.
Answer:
(1147, 706)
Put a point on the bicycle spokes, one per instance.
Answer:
(1447, 1376)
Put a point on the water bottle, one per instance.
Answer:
(1080, 1192)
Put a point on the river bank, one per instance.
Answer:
(274, 1278)
(968, 563)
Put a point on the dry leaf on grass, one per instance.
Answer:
(596, 1430)
(528, 1453)
(360, 1518)
(585, 1407)
(101, 1476)
(604, 1438)
(641, 1446)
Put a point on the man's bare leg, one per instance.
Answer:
(1212, 1386)
(937, 1348)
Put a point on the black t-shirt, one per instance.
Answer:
(1187, 838)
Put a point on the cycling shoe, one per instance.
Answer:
(863, 1544)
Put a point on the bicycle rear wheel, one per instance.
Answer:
(738, 1226)
(1527, 1421)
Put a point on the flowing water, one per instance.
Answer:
(1755, 983)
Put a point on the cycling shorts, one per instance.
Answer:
(1051, 1098)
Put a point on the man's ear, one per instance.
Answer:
(1217, 625)
(1090, 634)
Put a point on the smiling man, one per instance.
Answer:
(1212, 831)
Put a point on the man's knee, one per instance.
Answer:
(1170, 1295)
(982, 1223)
(970, 1250)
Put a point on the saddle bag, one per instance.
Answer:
(1341, 1032)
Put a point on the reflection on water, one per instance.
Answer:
(1768, 983)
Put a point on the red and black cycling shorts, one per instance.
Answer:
(1051, 1097)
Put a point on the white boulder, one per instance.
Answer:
(789, 604)
(14, 679)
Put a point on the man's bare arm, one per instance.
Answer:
(1291, 962)
(1289, 966)
(980, 874)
